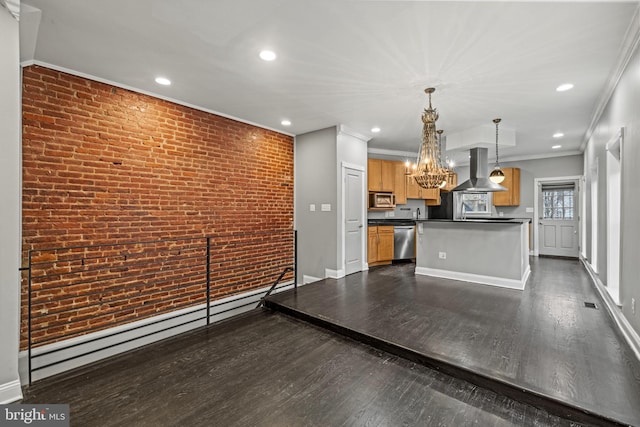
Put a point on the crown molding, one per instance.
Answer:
(344, 130)
(13, 6)
(628, 48)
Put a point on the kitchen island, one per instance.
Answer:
(487, 251)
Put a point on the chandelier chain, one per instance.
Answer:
(497, 121)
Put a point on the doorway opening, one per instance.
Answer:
(556, 230)
(594, 218)
(614, 183)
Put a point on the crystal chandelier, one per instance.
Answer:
(428, 170)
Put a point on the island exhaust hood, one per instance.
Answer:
(479, 174)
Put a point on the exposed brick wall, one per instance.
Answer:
(107, 165)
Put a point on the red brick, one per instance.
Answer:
(104, 165)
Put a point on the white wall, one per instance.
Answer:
(10, 207)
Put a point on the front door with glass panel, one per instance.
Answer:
(558, 219)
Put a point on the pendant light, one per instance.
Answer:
(497, 175)
(428, 171)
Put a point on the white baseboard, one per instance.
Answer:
(476, 278)
(10, 392)
(310, 279)
(630, 335)
(334, 274)
(90, 348)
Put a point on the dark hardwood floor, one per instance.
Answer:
(540, 345)
(268, 369)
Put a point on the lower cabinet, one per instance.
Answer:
(380, 245)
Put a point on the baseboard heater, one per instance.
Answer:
(75, 352)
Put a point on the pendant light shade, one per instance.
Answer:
(497, 175)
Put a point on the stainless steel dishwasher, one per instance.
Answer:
(404, 239)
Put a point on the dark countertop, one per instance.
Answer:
(493, 220)
(404, 221)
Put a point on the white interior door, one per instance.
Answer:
(558, 223)
(354, 220)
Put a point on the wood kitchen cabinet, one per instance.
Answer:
(380, 245)
(414, 191)
(511, 197)
(400, 187)
(381, 175)
(452, 182)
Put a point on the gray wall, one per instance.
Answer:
(622, 110)
(319, 156)
(316, 183)
(473, 248)
(529, 170)
(10, 207)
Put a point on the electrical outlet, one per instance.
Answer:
(442, 255)
(633, 305)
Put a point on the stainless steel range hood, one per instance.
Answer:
(479, 174)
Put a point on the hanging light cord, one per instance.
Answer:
(496, 121)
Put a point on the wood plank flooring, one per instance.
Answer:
(268, 369)
(542, 340)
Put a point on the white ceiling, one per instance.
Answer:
(358, 63)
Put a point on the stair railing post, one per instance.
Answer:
(295, 259)
(208, 280)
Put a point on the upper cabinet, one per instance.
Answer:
(414, 191)
(452, 182)
(381, 175)
(400, 186)
(511, 197)
(390, 176)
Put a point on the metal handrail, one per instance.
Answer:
(280, 277)
(100, 278)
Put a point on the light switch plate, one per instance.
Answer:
(312, 207)
(529, 210)
(325, 207)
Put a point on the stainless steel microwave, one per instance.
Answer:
(382, 200)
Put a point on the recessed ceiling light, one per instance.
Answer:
(558, 135)
(375, 129)
(163, 81)
(555, 147)
(267, 55)
(285, 122)
(564, 87)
